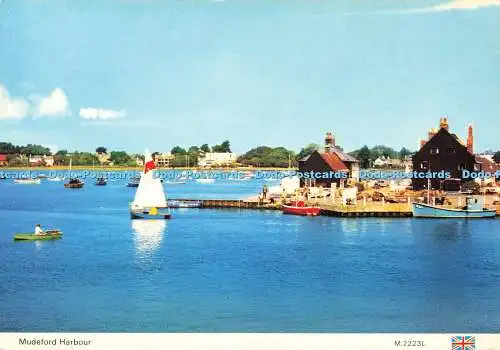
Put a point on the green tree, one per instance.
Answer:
(8, 148)
(178, 150)
(385, 151)
(61, 157)
(265, 156)
(120, 158)
(101, 150)
(224, 147)
(309, 149)
(404, 152)
(364, 156)
(205, 148)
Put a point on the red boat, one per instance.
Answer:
(299, 208)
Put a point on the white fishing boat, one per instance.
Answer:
(55, 179)
(205, 181)
(150, 201)
(27, 181)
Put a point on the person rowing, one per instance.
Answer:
(39, 231)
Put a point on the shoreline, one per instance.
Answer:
(139, 168)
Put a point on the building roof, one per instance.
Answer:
(3, 157)
(487, 164)
(344, 156)
(334, 162)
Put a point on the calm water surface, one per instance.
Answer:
(237, 271)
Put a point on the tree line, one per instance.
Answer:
(261, 156)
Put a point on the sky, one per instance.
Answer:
(131, 74)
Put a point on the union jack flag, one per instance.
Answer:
(463, 343)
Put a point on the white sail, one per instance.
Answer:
(150, 190)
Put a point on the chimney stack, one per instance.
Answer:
(443, 123)
(470, 140)
(329, 142)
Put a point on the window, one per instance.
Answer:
(424, 165)
(434, 151)
(451, 151)
(461, 166)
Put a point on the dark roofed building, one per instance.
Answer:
(332, 159)
(443, 152)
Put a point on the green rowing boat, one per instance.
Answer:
(50, 234)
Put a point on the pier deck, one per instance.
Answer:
(371, 209)
(229, 203)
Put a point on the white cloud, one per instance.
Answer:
(100, 113)
(455, 5)
(11, 108)
(56, 104)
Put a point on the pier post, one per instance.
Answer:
(383, 201)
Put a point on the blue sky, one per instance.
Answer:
(130, 74)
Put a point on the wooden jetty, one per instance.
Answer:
(230, 203)
(393, 210)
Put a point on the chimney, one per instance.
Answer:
(422, 143)
(443, 123)
(470, 140)
(329, 142)
(432, 132)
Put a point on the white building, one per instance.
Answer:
(41, 160)
(216, 159)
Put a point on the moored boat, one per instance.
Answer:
(299, 208)
(74, 183)
(101, 181)
(184, 204)
(205, 181)
(50, 234)
(150, 201)
(134, 182)
(27, 181)
(54, 179)
(474, 208)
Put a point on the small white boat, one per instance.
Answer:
(27, 181)
(205, 181)
(55, 179)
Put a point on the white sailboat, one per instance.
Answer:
(150, 201)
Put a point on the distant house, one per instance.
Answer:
(41, 160)
(444, 151)
(209, 159)
(4, 161)
(139, 161)
(387, 162)
(380, 162)
(488, 165)
(163, 160)
(104, 159)
(36, 160)
(48, 161)
(332, 159)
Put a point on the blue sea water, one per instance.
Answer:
(238, 270)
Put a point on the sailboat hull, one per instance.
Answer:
(162, 214)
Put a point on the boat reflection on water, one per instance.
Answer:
(148, 235)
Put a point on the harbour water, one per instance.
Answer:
(238, 270)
